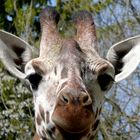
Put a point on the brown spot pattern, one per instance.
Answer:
(64, 73)
(55, 71)
(38, 119)
(47, 116)
(96, 113)
(42, 112)
(95, 125)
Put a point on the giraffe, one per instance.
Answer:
(68, 78)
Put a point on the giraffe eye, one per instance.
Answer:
(34, 80)
(105, 81)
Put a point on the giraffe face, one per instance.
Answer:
(68, 78)
(68, 96)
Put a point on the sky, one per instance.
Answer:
(53, 2)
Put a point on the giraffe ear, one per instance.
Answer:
(125, 57)
(14, 53)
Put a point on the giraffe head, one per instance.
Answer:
(68, 79)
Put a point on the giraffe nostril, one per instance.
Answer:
(64, 99)
(75, 98)
(86, 100)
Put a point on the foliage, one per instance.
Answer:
(115, 20)
(15, 109)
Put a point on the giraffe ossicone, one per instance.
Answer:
(68, 78)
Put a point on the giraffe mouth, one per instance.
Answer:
(73, 119)
(71, 135)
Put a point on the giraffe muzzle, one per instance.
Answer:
(73, 112)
